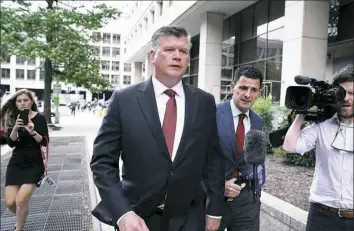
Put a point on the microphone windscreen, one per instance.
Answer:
(255, 147)
(303, 80)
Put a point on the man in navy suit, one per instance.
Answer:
(166, 134)
(234, 119)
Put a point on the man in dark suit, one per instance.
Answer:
(234, 119)
(165, 132)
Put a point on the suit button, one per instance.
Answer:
(171, 173)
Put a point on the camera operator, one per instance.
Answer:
(331, 193)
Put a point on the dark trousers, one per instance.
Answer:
(320, 219)
(242, 214)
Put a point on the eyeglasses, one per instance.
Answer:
(339, 143)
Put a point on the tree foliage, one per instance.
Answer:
(59, 34)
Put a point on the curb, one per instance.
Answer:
(96, 225)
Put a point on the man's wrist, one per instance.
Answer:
(123, 216)
(215, 217)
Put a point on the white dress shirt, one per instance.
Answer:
(161, 101)
(235, 114)
(332, 183)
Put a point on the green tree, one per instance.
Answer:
(59, 34)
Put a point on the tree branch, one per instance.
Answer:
(55, 71)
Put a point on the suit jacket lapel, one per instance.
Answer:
(191, 105)
(228, 122)
(254, 121)
(148, 106)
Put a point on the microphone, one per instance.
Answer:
(254, 153)
(302, 80)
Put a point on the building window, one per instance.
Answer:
(106, 38)
(127, 67)
(126, 79)
(115, 79)
(115, 66)
(105, 76)
(20, 60)
(96, 51)
(106, 51)
(96, 36)
(20, 74)
(191, 74)
(105, 65)
(116, 39)
(31, 74)
(41, 74)
(31, 62)
(5, 73)
(6, 59)
(254, 36)
(115, 52)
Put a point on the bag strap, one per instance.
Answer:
(45, 155)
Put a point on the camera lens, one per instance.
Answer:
(298, 98)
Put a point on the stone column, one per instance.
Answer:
(305, 41)
(136, 72)
(209, 74)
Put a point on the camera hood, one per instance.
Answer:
(299, 97)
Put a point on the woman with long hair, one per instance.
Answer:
(25, 168)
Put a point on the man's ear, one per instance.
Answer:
(232, 85)
(152, 54)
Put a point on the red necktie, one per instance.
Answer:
(169, 121)
(240, 136)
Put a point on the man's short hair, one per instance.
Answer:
(172, 30)
(249, 72)
(346, 74)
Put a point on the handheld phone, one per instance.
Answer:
(47, 179)
(24, 116)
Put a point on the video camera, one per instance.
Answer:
(301, 98)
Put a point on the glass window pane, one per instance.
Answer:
(226, 73)
(274, 67)
(261, 18)
(275, 43)
(276, 14)
(195, 47)
(345, 23)
(226, 29)
(253, 49)
(236, 21)
(275, 91)
(194, 66)
(247, 23)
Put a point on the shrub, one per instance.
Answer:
(262, 107)
(307, 160)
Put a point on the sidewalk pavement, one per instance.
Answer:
(65, 206)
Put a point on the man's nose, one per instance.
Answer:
(248, 93)
(176, 55)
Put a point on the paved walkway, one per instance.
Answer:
(65, 206)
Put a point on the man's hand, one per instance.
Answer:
(132, 222)
(212, 224)
(231, 189)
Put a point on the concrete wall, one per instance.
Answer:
(278, 215)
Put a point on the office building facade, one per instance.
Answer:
(282, 38)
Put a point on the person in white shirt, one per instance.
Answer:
(331, 193)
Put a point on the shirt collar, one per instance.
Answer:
(236, 112)
(335, 119)
(159, 88)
